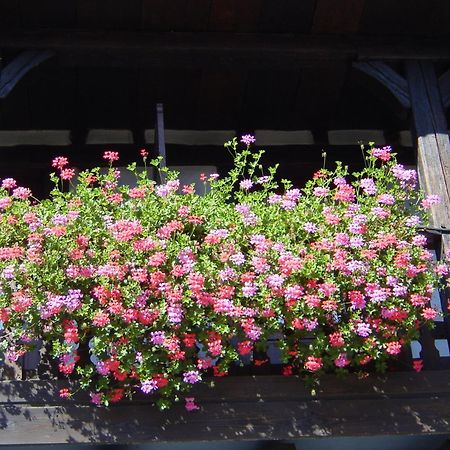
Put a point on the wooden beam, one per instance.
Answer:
(389, 78)
(11, 74)
(236, 408)
(219, 49)
(433, 145)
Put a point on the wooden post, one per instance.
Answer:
(433, 145)
(160, 142)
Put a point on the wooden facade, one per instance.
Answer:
(302, 75)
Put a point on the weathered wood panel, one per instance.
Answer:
(239, 408)
(433, 145)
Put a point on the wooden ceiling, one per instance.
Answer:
(413, 17)
(215, 64)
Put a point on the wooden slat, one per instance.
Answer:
(433, 145)
(239, 408)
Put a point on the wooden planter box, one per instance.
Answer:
(236, 408)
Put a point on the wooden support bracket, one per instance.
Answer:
(387, 76)
(11, 74)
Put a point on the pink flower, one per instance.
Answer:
(248, 139)
(430, 200)
(429, 313)
(67, 174)
(191, 377)
(246, 184)
(383, 154)
(336, 339)
(313, 364)
(96, 398)
(368, 186)
(393, 348)
(111, 156)
(100, 319)
(5, 202)
(60, 162)
(9, 183)
(342, 360)
(190, 405)
(64, 393)
(21, 193)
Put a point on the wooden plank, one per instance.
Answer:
(344, 19)
(235, 416)
(268, 388)
(433, 145)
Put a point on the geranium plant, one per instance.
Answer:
(145, 277)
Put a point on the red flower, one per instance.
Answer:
(417, 365)
(64, 393)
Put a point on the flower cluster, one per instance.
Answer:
(149, 288)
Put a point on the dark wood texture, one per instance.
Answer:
(433, 145)
(11, 74)
(237, 408)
